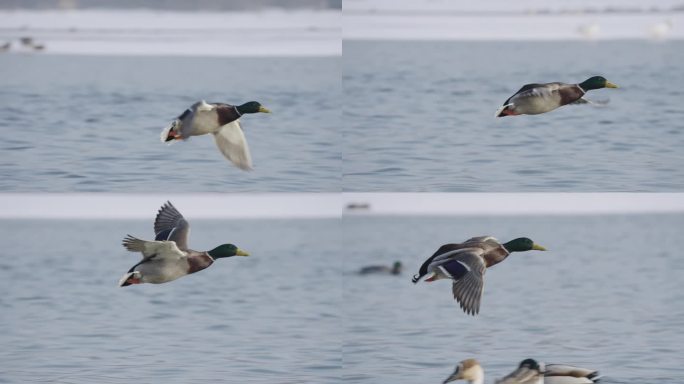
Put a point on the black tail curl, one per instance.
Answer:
(416, 277)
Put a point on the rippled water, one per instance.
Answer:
(272, 317)
(418, 116)
(607, 295)
(82, 123)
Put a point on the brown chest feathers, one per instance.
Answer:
(495, 256)
(199, 262)
(226, 114)
(570, 94)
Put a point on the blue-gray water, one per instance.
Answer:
(272, 317)
(81, 123)
(607, 295)
(419, 116)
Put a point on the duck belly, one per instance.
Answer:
(162, 272)
(538, 102)
(536, 105)
(203, 123)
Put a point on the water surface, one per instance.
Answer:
(419, 116)
(607, 295)
(272, 317)
(88, 123)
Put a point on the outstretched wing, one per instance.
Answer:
(522, 375)
(467, 270)
(568, 374)
(599, 103)
(232, 143)
(525, 88)
(170, 225)
(152, 249)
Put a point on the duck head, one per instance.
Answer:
(226, 250)
(469, 370)
(252, 107)
(531, 364)
(522, 244)
(596, 82)
(396, 268)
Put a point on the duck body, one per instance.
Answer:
(162, 262)
(532, 372)
(487, 247)
(220, 120)
(395, 269)
(465, 264)
(535, 99)
(168, 257)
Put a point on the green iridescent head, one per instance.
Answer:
(226, 250)
(596, 82)
(252, 107)
(522, 244)
(396, 267)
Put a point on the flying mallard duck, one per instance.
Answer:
(395, 269)
(529, 372)
(533, 99)
(220, 119)
(466, 263)
(168, 256)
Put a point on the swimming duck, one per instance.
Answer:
(221, 120)
(528, 372)
(533, 99)
(532, 372)
(466, 263)
(168, 256)
(395, 269)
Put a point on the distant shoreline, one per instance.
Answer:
(297, 33)
(332, 205)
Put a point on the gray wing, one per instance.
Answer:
(527, 88)
(522, 375)
(466, 268)
(232, 143)
(568, 374)
(567, 380)
(152, 249)
(468, 289)
(480, 239)
(539, 90)
(171, 225)
(599, 103)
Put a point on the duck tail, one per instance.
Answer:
(133, 244)
(167, 133)
(125, 281)
(416, 278)
(594, 377)
(501, 112)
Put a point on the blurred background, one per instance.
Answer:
(423, 79)
(88, 86)
(605, 295)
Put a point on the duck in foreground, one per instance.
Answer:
(168, 256)
(395, 269)
(221, 120)
(466, 264)
(528, 372)
(533, 99)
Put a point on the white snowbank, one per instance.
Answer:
(331, 205)
(490, 204)
(512, 20)
(146, 32)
